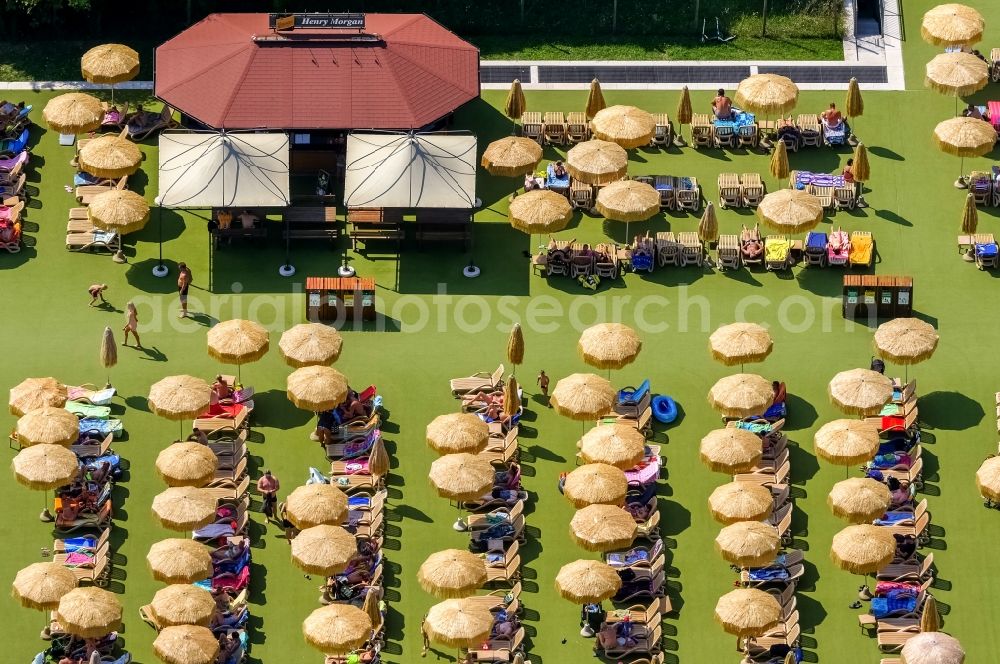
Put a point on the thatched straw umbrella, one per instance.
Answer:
(708, 227)
(511, 156)
(862, 171)
(43, 468)
(587, 581)
(186, 464)
(458, 432)
(110, 64)
(597, 162)
(970, 223)
(741, 395)
(110, 156)
(779, 162)
(790, 210)
(324, 549)
(378, 461)
(179, 561)
(905, 341)
(740, 501)
(89, 612)
(184, 508)
(602, 528)
(374, 611)
(930, 618)
(860, 392)
(596, 484)
(583, 397)
(747, 612)
(846, 442)
(609, 346)
(739, 343)
(595, 100)
(684, 113)
(628, 201)
(186, 644)
(859, 499)
(452, 573)
(952, 25)
(988, 480)
(628, 126)
(316, 388)
(730, 450)
(73, 113)
(515, 344)
(238, 342)
(109, 351)
(47, 426)
(539, 211)
(964, 137)
(932, 648)
(767, 95)
(458, 623)
(309, 344)
(617, 445)
(461, 477)
(40, 586)
(511, 397)
(180, 398)
(182, 604)
(120, 211)
(316, 505)
(515, 105)
(337, 629)
(748, 543)
(863, 549)
(956, 75)
(34, 393)
(854, 105)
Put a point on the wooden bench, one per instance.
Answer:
(444, 225)
(374, 224)
(314, 222)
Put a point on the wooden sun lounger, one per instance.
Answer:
(730, 192)
(752, 189)
(98, 573)
(59, 545)
(85, 193)
(577, 128)
(511, 568)
(554, 127)
(228, 490)
(494, 599)
(93, 450)
(531, 125)
(93, 240)
(212, 424)
(479, 381)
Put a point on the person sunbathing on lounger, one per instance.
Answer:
(557, 254)
(722, 106)
(832, 118)
(351, 408)
(228, 645)
(779, 391)
(221, 388)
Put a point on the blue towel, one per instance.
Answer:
(768, 574)
(986, 250)
(817, 241)
(885, 606)
(891, 518)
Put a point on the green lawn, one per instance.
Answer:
(914, 216)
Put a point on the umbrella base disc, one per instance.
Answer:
(346, 271)
(459, 525)
(46, 516)
(968, 257)
(161, 271)
(286, 270)
(961, 184)
(119, 257)
(853, 141)
(585, 631)
(45, 635)
(471, 271)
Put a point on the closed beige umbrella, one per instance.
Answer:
(684, 113)
(583, 397)
(309, 344)
(515, 105)
(325, 550)
(988, 479)
(859, 499)
(110, 64)
(515, 346)
(617, 445)
(110, 156)
(89, 612)
(34, 393)
(73, 113)
(238, 342)
(184, 508)
(846, 442)
(741, 395)
(452, 573)
(316, 505)
(708, 227)
(186, 464)
(186, 644)
(40, 586)
(860, 392)
(596, 484)
(119, 211)
(740, 343)
(628, 126)
(587, 581)
(378, 460)
(109, 351)
(767, 94)
(964, 137)
(512, 156)
(790, 210)
(747, 612)
(48, 425)
(740, 501)
(602, 528)
(905, 341)
(628, 201)
(863, 549)
(458, 623)
(854, 104)
(748, 543)
(730, 450)
(511, 397)
(930, 619)
(932, 648)
(44, 467)
(183, 604)
(609, 346)
(540, 211)
(180, 398)
(952, 25)
(778, 165)
(316, 388)
(595, 100)
(458, 432)
(179, 561)
(337, 629)
(597, 162)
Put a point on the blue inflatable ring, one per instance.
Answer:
(664, 409)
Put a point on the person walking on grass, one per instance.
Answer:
(268, 486)
(131, 325)
(97, 291)
(543, 385)
(184, 279)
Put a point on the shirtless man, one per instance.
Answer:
(722, 106)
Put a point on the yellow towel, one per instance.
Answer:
(861, 249)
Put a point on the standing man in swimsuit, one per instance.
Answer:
(131, 325)
(184, 279)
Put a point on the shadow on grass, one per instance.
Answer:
(950, 411)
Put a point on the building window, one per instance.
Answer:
(301, 139)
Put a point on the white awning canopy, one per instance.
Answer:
(223, 169)
(406, 170)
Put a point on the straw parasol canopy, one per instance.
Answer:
(602, 528)
(512, 156)
(779, 162)
(120, 211)
(730, 451)
(583, 397)
(515, 344)
(708, 227)
(452, 573)
(316, 505)
(378, 460)
(854, 105)
(587, 581)
(34, 393)
(740, 501)
(596, 484)
(970, 215)
(952, 25)
(515, 106)
(863, 549)
(337, 629)
(747, 612)
(959, 74)
(461, 476)
(616, 445)
(40, 586)
(628, 126)
(43, 467)
(182, 604)
(767, 94)
(748, 543)
(965, 137)
(988, 479)
(184, 508)
(458, 623)
(323, 549)
(846, 442)
(316, 388)
(110, 156)
(790, 210)
(739, 343)
(628, 200)
(741, 395)
(186, 464)
(860, 391)
(186, 644)
(930, 618)
(540, 211)
(595, 100)
(458, 432)
(73, 113)
(109, 64)
(932, 648)
(905, 340)
(609, 345)
(48, 425)
(859, 499)
(179, 561)
(89, 612)
(238, 341)
(597, 162)
(180, 397)
(309, 344)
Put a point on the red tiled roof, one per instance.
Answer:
(215, 72)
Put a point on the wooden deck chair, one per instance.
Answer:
(642, 644)
(701, 131)
(995, 64)
(725, 137)
(497, 599)
(985, 261)
(862, 249)
(554, 128)
(729, 252)
(581, 195)
(824, 194)
(85, 193)
(752, 188)
(689, 199)
(505, 450)
(507, 570)
(909, 571)
(665, 185)
(812, 130)
(843, 198)
(486, 382)
(228, 489)
(15, 186)
(663, 135)
(692, 249)
(93, 241)
(577, 129)
(747, 136)
(606, 269)
(164, 121)
(981, 186)
(668, 250)
(730, 193)
(531, 125)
